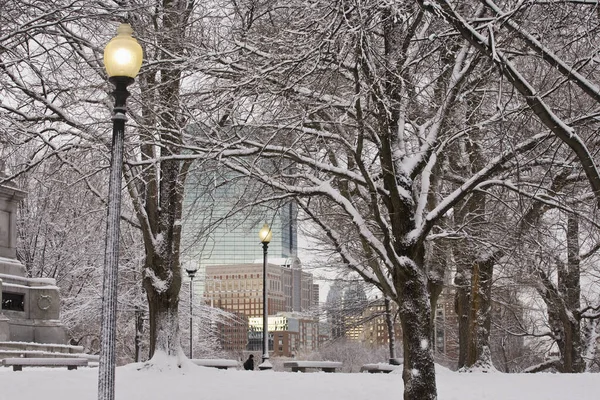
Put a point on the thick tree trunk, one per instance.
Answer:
(571, 348)
(473, 305)
(162, 283)
(568, 339)
(479, 320)
(164, 323)
(419, 369)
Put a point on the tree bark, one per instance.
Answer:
(419, 369)
(390, 327)
(461, 307)
(569, 342)
(139, 332)
(563, 302)
(164, 320)
(480, 320)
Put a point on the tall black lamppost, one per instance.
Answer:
(191, 273)
(122, 59)
(265, 234)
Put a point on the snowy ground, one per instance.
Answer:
(202, 383)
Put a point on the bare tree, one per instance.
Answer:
(352, 122)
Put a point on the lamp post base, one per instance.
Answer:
(265, 365)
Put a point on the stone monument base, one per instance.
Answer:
(30, 307)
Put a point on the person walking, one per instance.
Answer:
(249, 363)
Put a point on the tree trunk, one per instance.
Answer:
(462, 307)
(590, 336)
(479, 317)
(419, 369)
(569, 286)
(164, 322)
(571, 348)
(139, 332)
(390, 327)
(563, 302)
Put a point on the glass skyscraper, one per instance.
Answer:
(222, 216)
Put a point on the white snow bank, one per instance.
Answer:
(191, 382)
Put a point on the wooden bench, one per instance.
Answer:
(216, 363)
(378, 368)
(18, 363)
(302, 366)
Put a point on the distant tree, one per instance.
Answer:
(354, 122)
(55, 99)
(57, 230)
(540, 59)
(352, 354)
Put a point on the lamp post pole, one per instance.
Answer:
(265, 344)
(191, 273)
(265, 236)
(106, 367)
(122, 59)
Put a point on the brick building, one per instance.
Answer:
(237, 288)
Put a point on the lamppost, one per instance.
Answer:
(265, 234)
(191, 273)
(122, 60)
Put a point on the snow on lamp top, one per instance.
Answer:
(123, 54)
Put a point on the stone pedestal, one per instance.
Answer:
(4, 328)
(9, 201)
(30, 308)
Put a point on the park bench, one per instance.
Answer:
(216, 363)
(18, 363)
(302, 366)
(378, 368)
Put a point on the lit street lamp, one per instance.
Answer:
(191, 273)
(265, 234)
(122, 60)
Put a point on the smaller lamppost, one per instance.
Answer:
(191, 272)
(265, 234)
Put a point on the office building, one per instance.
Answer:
(221, 221)
(237, 288)
(288, 333)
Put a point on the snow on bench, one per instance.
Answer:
(216, 363)
(378, 368)
(71, 362)
(302, 366)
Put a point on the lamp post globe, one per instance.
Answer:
(122, 60)
(265, 234)
(123, 54)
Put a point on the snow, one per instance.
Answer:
(265, 365)
(216, 362)
(159, 285)
(192, 382)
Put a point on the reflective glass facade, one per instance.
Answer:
(221, 220)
